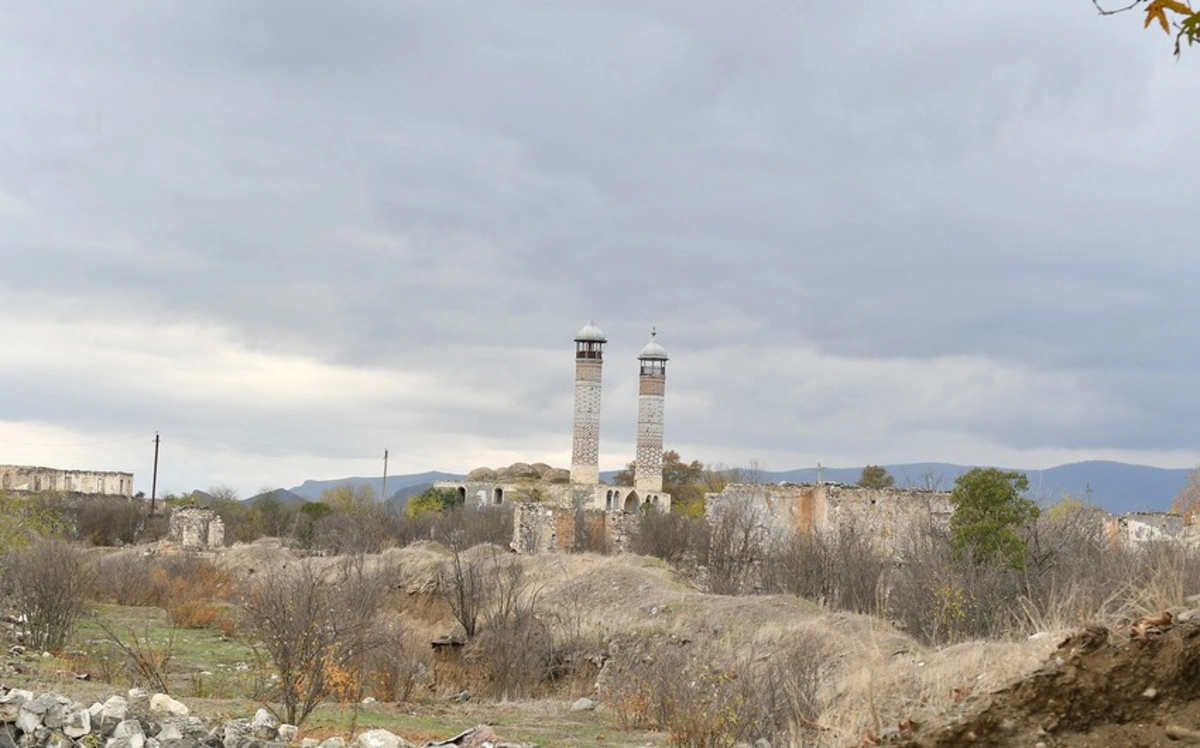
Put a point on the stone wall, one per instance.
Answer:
(541, 528)
(193, 527)
(1138, 528)
(31, 479)
(781, 509)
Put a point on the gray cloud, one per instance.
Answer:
(867, 233)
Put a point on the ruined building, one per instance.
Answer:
(195, 528)
(884, 514)
(33, 479)
(549, 502)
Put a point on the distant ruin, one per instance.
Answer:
(27, 479)
(195, 528)
(883, 513)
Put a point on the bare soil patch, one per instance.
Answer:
(1100, 687)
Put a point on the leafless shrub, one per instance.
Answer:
(517, 647)
(50, 582)
(127, 579)
(787, 690)
(393, 669)
(703, 697)
(350, 533)
(315, 632)
(110, 520)
(842, 569)
(472, 526)
(737, 546)
(675, 538)
(463, 583)
(146, 662)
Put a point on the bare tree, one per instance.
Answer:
(50, 582)
(462, 582)
(737, 546)
(313, 630)
(517, 645)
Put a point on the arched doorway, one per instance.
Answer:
(631, 502)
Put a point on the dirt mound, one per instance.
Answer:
(1135, 686)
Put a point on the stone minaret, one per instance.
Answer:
(647, 471)
(585, 447)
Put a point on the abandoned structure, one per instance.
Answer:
(195, 528)
(1135, 529)
(34, 479)
(884, 514)
(546, 497)
(889, 515)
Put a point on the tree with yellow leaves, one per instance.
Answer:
(1187, 501)
(1173, 16)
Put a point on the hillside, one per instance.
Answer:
(311, 490)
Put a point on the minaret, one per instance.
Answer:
(585, 447)
(652, 382)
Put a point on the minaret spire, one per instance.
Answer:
(652, 382)
(585, 444)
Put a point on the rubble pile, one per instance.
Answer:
(141, 720)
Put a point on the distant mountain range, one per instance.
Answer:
(1115, 486)
(399, 487)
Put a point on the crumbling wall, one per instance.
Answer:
(539, 528)
(783, 509)
(534, 529)
(1139, 528)
(194, 527)
(886, 513)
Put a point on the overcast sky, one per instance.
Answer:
(289, 235)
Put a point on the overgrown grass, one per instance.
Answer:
(200, 662)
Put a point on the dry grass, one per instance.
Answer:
(872, 675)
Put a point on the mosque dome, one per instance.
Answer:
(653, 350)
(590, 332)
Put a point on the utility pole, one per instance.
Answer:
(154, 480)
(383, 490)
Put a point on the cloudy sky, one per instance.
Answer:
(290, 235)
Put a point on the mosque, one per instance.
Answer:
(580, 488)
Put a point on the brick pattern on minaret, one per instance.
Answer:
(652, 384)
(585, 447)
(648, 460)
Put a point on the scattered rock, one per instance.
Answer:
(160, 702)
(77, 723)
(32, 711)
(111, 713)
(379, 739)
(264, 726)
(1178, 732)
(169, 732)
(583, 705)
